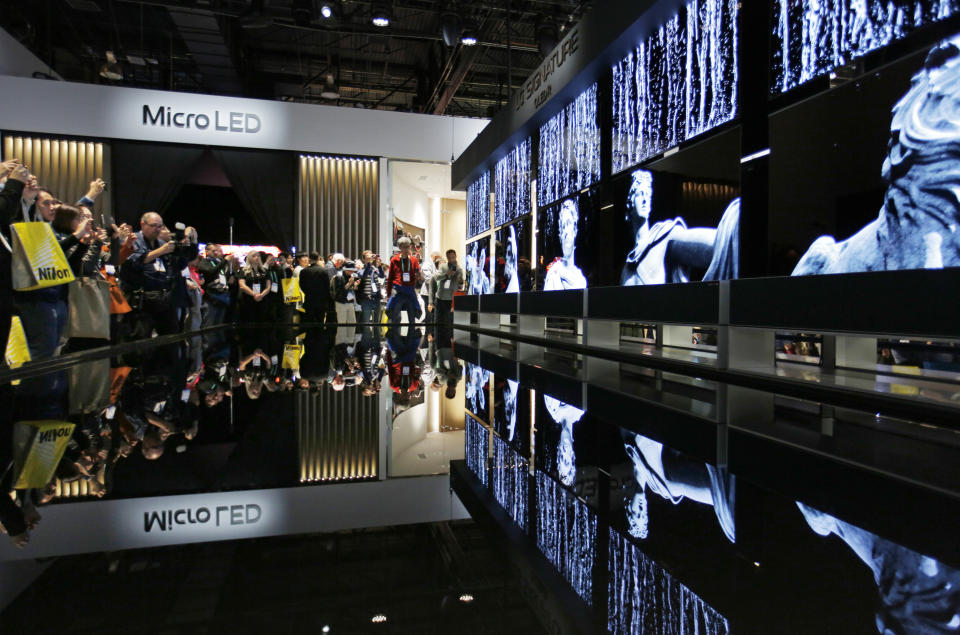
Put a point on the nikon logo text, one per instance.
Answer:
(52, 273)
(52, 435)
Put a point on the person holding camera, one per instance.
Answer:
(149, 276)
(217, 273)
(368, 291)
(447, 281)
(343, 286)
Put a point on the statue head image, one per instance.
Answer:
(567, 221)
(640, 197)
(565, 415)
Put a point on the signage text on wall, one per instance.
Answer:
(167, 117)
(168, 519)
(531, 89)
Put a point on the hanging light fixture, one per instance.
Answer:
(330, 90)
(451, 27)
(111, 70)
(329, 9)
(469, 35)
(382, 14)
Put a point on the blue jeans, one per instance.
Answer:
(44, 322)
(405, 300)
(370, 311)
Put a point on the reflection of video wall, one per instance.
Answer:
(478, 206)
(476, 447)
(567, 534)
(676, 84)
(511, 184)
(477, 265)
(477, 392)
(512, 270)
(511, 413)
(814, 37)
(569, 158)
(509, 478)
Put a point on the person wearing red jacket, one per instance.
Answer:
(403, 278)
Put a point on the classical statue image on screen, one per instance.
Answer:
(478, 282)
(563, 272)
(476, 388)
(510, 406)
(917, 227)
(668, 250)
(565, 416)
(918, 594)
(675, 477)
(511, 266)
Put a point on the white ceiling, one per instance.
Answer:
(431, 178)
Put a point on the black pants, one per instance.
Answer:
(319, 314)
(443, 312)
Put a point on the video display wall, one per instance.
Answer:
(477, 265)
(678, 83)
(569, 157)
(512, 270)
(813, 37)
(478, 206)
(566, 245)
(511, 181)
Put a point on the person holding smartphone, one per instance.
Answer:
(447, 281)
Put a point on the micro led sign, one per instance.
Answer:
(167, 117)
(168, 519)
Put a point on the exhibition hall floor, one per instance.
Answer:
(417, 480)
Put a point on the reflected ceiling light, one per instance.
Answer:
(469, 36)
(381, 15)
(326, 628)
(111, 70)
(379, 618)
(451, 26)
(329, 10)
(330, 90)
(466, 598)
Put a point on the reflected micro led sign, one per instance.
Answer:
(478, 206)
(511, 183)
(569, 158)
(679, 82)
(813, 37)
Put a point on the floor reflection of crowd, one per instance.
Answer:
(157, 399)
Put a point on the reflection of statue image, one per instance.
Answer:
(563, 273)
(668, 250)
(477, 378)
(917, 224)
(479, 282)
(672, 476)
(510, 265)
(565, 415)
(917, 593)
(510, 406)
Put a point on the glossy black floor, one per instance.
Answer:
(618, 502)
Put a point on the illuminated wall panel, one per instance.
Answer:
(569, 158)
(337, 436)
(567, 534)
(477, 447)
(813, 37)
(509, 477)
(511, 181)
(677, 83)
(339, 204)
(478, 206)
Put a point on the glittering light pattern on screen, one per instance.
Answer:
(477, 448)
(509, 476)
(569, 157)
(644, 598)
(478, 206)
(511, 182)
(679, 82)
(813, 37)
(567, 534)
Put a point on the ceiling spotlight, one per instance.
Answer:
(381, 15)
(326, 628)
(330, 90)
(379, 618)
(326, 10)
(111, 70)
(469, 36)
(450, 27)
(466, 598)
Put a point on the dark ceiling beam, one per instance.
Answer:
(463, 67)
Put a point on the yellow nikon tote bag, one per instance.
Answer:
(38, 261)
(291, 291)
(38, 447)
(17, 353)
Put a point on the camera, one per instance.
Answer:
(179, 232)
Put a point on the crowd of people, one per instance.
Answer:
(344, 324)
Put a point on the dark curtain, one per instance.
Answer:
(266, 184)
(147, 177)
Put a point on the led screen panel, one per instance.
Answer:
(814, 37)
(477, 265)
(876, 188)
(509, 477)
(674, 228)
(477, 447)
(477, 392)
(679, 82)
(567, 534)
(568, 251)
(478, 206)
(569, 157)
(512, 270)
(511, 181)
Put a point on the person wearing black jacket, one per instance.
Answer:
(16, 176)
(217, 273)
(315, 285)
